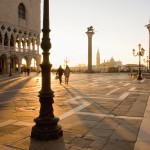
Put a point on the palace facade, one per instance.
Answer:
(19, 35)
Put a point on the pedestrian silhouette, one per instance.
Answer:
(60, 72)
(67, 74)
(28, 71)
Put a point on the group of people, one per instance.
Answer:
(66, 73)
(26, 70)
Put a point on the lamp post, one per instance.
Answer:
(46, 127)
(66, 61)
(139, 53)
(146, 61)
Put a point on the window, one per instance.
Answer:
(21, 11)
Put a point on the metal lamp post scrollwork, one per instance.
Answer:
(139, 53)
(46, 127)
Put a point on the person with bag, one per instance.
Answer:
(60, 72)
(67, 74)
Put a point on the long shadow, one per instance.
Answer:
(7, 81)
(122, 121)
(17, 86)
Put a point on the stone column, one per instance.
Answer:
(25, 45)
(148, 27)
(3, 35)
(19, 44)
(9, 54)
(8, 65)
(19, 67)
(14, 42)
(37, 43)
(90, 34)
(29, 48)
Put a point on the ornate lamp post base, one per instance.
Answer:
(46, 129)
(139, 78)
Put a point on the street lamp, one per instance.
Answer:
(66, 61)
(140, 53)
(146, 61)
(46, 127)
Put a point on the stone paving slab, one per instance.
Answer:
(114, 117)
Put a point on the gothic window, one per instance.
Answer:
(21, 11)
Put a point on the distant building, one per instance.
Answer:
(107, 66)
(19, 34)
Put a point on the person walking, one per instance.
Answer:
(60, 72)
(67, 74)
(28, 71)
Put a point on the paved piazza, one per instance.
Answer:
(97, 112)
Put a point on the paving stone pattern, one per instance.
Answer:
(97, 112)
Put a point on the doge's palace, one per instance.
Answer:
(19, 35)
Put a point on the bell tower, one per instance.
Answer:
(97, 58)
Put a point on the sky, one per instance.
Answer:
(119, 27)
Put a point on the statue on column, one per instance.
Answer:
(90, 29)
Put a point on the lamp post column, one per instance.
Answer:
(139, 76)
(139, 53)
(46, 127)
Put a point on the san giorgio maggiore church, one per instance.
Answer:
(107, 65)
(19, 35)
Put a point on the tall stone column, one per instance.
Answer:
(90, 32)
(148, 27)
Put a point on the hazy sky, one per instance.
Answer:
(119, 27)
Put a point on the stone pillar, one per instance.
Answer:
(148, 27)
(19, 66)
(15, 43)
(8, 65)
(90, 33)
(37, 43)
(29, 44)
(3, 35)
(19, 44)
(33, 44)
(9, 54)
(25, 45)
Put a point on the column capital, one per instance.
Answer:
(89, 34)
(148, 27)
